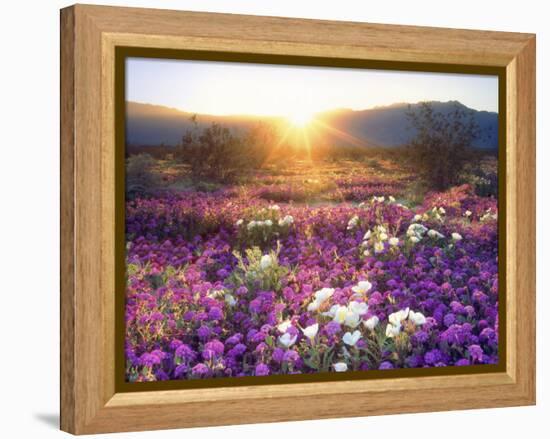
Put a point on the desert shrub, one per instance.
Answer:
(206, 186)
(141, 179)
(216, 153)
(212, 152)
(258, 271)
(442, 144)
(483, 179)
(415, 192)
(258, 144)
(374, 164)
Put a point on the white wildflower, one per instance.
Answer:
(352, 319)
(321, 296)
(339, 312)
(230, 300)
(266, 262)
(332, 311)
(392, 330)
(397, 317)
(351, 339)
(287, 340)
(215, 294)
(362, 287)
(358, 308)
(311, 331)
(417, 318)
(435, 234)
(378, 247)
(417, 230)
(283, 326)
(286, 221)
(372, 322)
(353, 222)
(340, 367)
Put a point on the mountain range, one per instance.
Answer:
(387, 126)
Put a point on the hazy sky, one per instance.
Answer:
(223, 88)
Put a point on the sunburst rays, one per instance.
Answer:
(307, 131)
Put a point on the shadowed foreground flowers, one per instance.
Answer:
(227, 284)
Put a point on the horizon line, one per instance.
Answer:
(316, 113)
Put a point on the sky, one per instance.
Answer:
(224, 88)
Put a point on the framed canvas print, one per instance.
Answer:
(263, 216)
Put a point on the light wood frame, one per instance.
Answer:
(89, 35)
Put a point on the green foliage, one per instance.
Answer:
(262, 227)
(374, 164)
(258, 271)
(318, 357)
(442, 145)
(216, 153)
(141, 179)
(258, 143)
(482, 178)
(415, 192)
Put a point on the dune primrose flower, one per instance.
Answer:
(340, 367)
(287, 340)
(372, 322)
(311, 331)
(266, 261)
(417, 318)
(351, 339)
(362, 287)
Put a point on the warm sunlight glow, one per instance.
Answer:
(300, 118)
(227, 88)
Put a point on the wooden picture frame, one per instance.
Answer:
(90, 36)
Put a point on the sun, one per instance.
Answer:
(300, 118)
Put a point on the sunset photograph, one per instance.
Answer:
(285, 219)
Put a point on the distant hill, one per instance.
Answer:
(387, 126)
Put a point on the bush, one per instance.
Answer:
(217, 154)
(482, 178)
(442, 145)
(141, 179)
(258, 271)
(258, 144)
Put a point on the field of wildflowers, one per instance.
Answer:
(325, 268)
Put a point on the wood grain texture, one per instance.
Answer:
(320, 37)
(67, 397)
(524, 222)
(90, 34)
